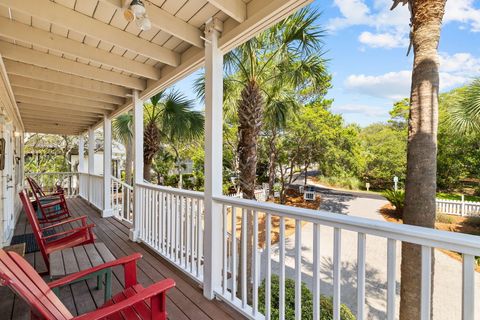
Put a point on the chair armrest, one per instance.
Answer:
(75, 276)
(83, 218)
(89, 226)
(153, 290)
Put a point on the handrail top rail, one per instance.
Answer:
(121, 182)
(51, 173)
(465, 243)
(180, 192)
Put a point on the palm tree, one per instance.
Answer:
(122, 131)
(420, 186)
(169, 118)
(464, 116)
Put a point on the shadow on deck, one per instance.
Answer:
(185, 301)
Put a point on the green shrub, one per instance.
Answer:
(326, 303)
(444, 218)
(473, 221)
(396, 198)
(478, 261)
(350, 183)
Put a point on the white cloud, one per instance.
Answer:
(367, 110)
(391, 85)
(383, 40)
(463, 11)
(455, 70)
(389, 26)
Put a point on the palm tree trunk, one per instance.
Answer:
(250, 119)
(420, 184)
(147, 169)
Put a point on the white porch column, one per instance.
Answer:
(81, 166)
(91, 161)
(107, 167)
(213, 158)
(137, 162)
(81, 151)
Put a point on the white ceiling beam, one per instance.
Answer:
(25, 33)
(49, 129)
(42, 74)
(58, 104)
(56, 97)
(61, 121)
(42, 115)
(237, 9)
(62, 16)
(24, 82)
(49, 61)
(167, 22)
(30, 107)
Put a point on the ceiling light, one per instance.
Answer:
(143, 23)
(129, 15)
(138, 8)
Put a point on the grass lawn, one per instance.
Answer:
(456, 196)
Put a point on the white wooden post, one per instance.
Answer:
(91, 161)
(81, 164)
(463, 205)
(137, 163)
(107, 167)
(213, 158)
(81, 159)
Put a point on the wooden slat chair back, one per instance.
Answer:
(57, 241)
(134, 302)
(53, 207)
(22, 278)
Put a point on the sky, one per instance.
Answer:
(366, 46)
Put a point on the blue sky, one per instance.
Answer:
(366, 46)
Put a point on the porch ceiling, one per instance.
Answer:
(69, 62)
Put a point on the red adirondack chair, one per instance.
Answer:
(53, 207)
(135, 302)
(57, 241)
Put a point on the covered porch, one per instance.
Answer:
(186, 301)
(70, 67)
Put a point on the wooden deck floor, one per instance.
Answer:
(185, 301)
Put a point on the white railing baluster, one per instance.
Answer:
(243, 258)
(281, 308)
(182, 230)
(255, 262)
(391, 277)
(225, 255)
(426, 295)
(298, 269)
(468, 287)
(316, 271)
(234, 253)
(268, 274)
(199, 237)
(361, 254)
(336, 272)
(192, 230)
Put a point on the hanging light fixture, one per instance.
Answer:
(136, 11)
(143, 23)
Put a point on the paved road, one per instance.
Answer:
(447, 278)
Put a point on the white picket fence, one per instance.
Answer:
(458, 207)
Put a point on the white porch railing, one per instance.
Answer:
(171, 222)
(69, 181)
(91, 189)
(234, 280)
(121, 200)
(458, 207)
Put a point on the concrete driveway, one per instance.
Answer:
(448, 272)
